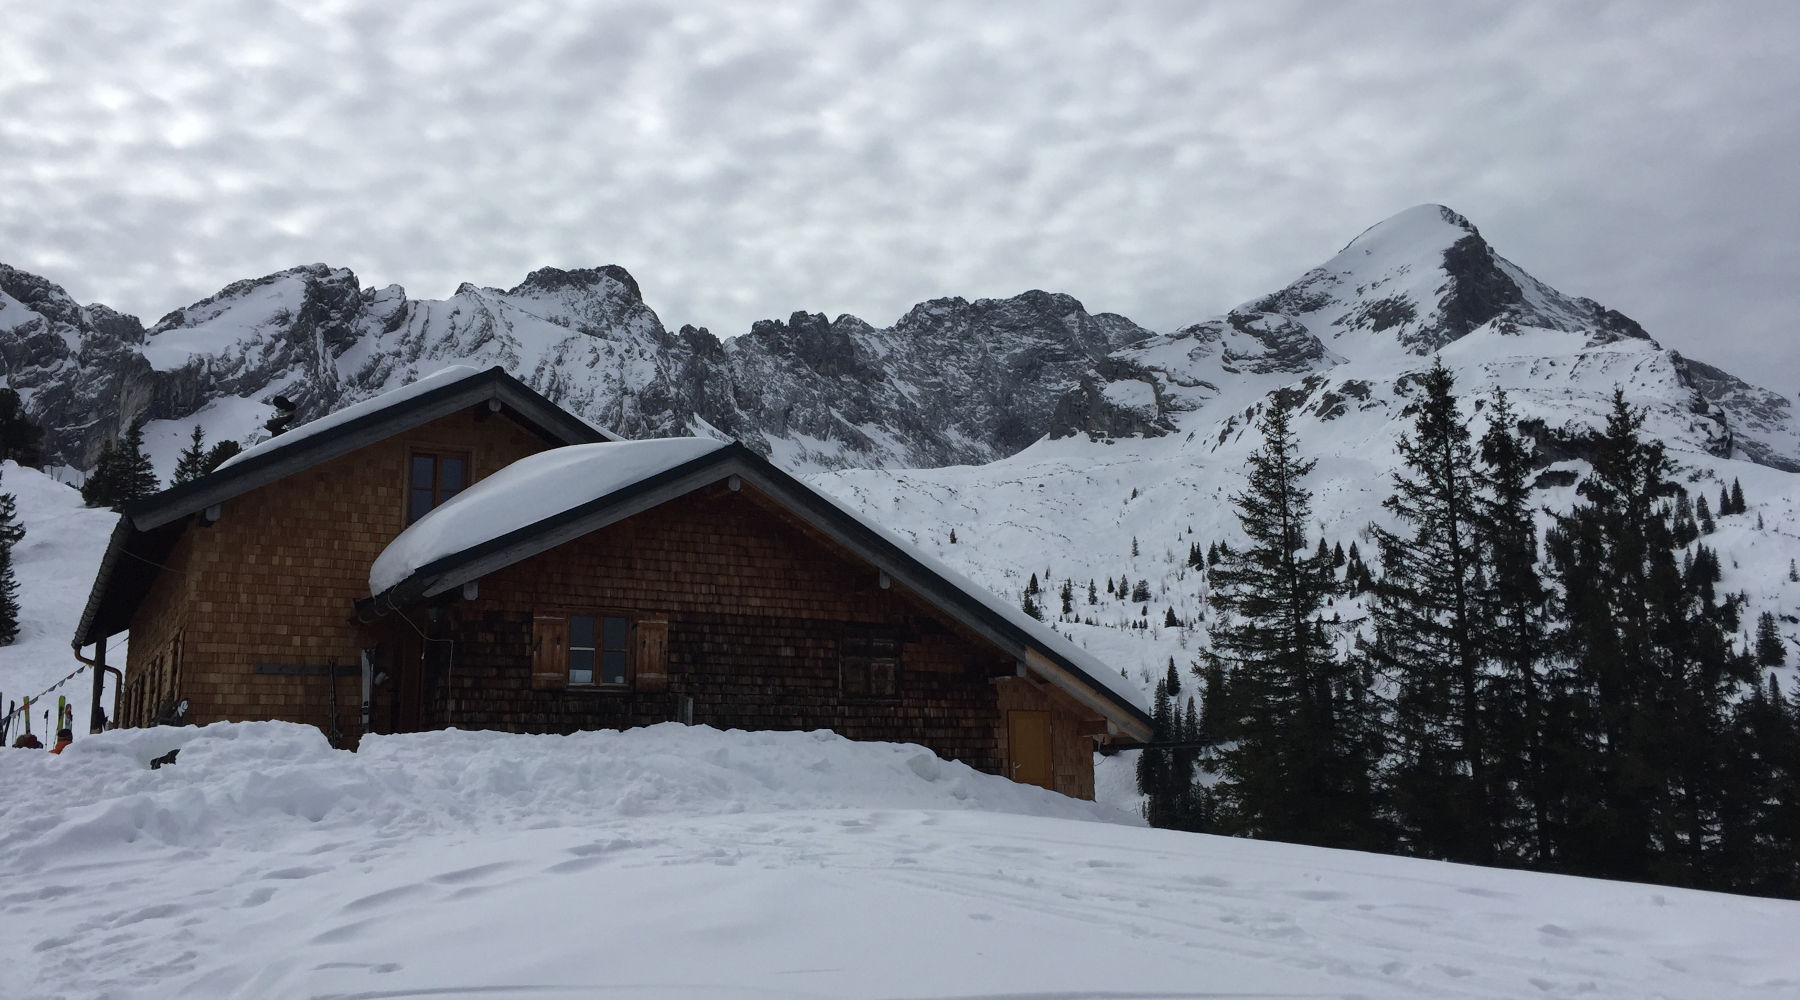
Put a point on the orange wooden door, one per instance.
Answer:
(1028, 743)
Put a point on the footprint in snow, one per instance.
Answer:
(463, 875)
(375, 900)
(293, 873)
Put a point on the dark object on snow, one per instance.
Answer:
(64, 737)
(168, 758)
(27, 741)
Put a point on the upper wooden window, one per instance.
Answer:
(870, 667)
(433, 478)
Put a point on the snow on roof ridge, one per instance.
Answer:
(337, 418)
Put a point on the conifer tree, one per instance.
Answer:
(1429, 621)
(1651, 668)
(952, 536)
(122, 473)
(1068, 597)
(1737, 497)
(192, 463)
(1514, 627)
(11, 533)
(1704, 514)
(222, 451)
(1725, 507)
(1093, 595)
(1769, 649)
(1030, 606)
(21, 439)
(1282, 776)
(1169, 619)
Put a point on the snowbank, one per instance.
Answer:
(252, 784)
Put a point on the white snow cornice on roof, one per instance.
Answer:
(526, 492)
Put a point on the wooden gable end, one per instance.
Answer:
(274, 579)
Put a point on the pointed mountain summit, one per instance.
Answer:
(1423, 279)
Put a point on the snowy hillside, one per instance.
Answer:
(55, 567)
(1343, 343)
(685, 862)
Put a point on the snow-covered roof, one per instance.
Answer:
(338, 418)
(545, 499)
(150, 526)
(533, 489)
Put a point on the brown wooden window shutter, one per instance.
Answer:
(652, 655)
(549, 651)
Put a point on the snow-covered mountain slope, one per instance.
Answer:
(685, 862)
(951, 382)
(1343, 343)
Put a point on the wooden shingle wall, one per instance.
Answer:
(274, 582)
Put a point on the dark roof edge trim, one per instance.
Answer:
(261, 470)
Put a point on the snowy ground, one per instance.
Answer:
(677, 862)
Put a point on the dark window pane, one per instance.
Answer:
(881, 678)
(856, 683)
(423, 475)
(450, 475)
(612, 667)
(581, 631)
(614, 633)
(420, 506)
(581, 666)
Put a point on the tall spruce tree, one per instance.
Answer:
(21, 439)
(1429, 621)
(1281, 775)
(1513, 631)
(11, 533)
(192, 463)
(1651, 673)
(122, 473)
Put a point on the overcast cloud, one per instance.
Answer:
(1165, 161)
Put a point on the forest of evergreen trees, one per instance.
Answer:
(1583, 700)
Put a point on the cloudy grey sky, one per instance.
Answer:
(745, 160)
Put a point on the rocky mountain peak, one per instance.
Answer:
(553, 279)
